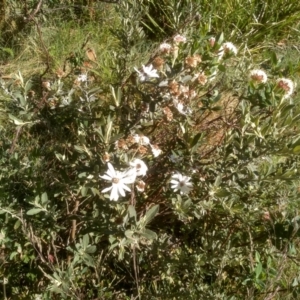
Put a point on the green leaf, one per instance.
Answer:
(196, 139)
(258, 269)
(44, 198)
(131, 212)
(84, 191)
(148, 234)
(17, 121)
(34, 211)
(91, 249)
(85, 241)
(151, 213)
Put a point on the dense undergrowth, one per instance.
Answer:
(149, 149)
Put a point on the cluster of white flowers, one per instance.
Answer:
(121, 180)
(145, 141)
(284, 85)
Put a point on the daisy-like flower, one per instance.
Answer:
(148, 73)
(165, 47)
(119, 180)
(179, 39)
(181, 183)
(285, 85)
(258, 76)
(139, 166)
(141, 139)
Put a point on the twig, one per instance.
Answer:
(135, 266)
(32, 15)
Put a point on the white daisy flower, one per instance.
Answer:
(286, 85)
(147, 73)
(139, 167)
(258, 76)
(181, 183)
(179, 39)
(150, 72)
(119, 181)
(141, 139)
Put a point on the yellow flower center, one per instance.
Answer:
(115, 180)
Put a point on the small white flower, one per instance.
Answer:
(150, 72)
(156, 151)
(139, 167)
(258, 76)
(165, 47)
(179, 39)
(147, 73)
(212, 41)
(286, 85)
(119, 181)
(181, 183)
(180, 107)
(82, 78)
(140, 185)
(141, 139)
(227, 49)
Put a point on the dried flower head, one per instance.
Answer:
(121, 144)
(142, 150)
(174, 88)
(106, 157)
(140, 186)
(193, 61)
(202, 78)
(158, 62)
(168, 113)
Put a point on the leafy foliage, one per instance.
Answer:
(185, 102)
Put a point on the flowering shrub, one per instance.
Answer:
(168, 182)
